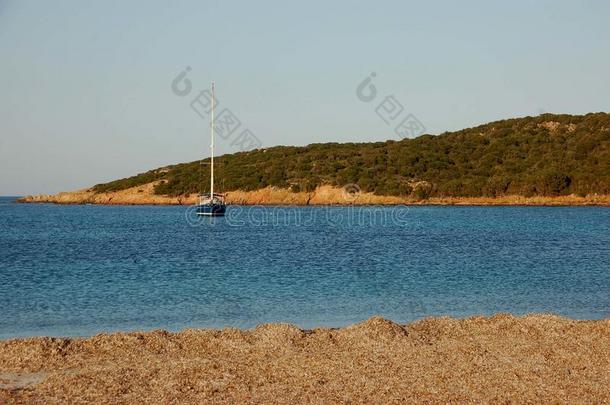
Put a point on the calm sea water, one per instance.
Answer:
(81, 270)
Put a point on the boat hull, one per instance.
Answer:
(211, 210)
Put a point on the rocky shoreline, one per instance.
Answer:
(537, 358)
(324, 195)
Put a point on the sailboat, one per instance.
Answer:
(211, 204)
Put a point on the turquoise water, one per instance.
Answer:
(81, 270)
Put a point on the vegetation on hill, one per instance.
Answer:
(544, 155)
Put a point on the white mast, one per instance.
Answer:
(212, 149)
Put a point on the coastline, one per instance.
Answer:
(323, 195)
(503, 358)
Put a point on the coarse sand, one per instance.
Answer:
(501, 359)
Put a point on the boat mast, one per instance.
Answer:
(212, 149)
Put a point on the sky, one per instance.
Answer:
(86, 87)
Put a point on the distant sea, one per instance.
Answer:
(85, 269)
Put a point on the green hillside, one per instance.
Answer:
(544, 155)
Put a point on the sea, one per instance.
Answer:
(80, 270)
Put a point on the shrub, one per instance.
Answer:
(517, 156)
(554, 182)
(422, 191)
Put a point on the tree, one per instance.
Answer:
(554, 182)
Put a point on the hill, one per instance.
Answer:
(547, 155)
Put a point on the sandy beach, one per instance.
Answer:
(501, 359)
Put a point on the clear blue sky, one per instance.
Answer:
(86, 94)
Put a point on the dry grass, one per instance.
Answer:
(537, 359)
(323, 195)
